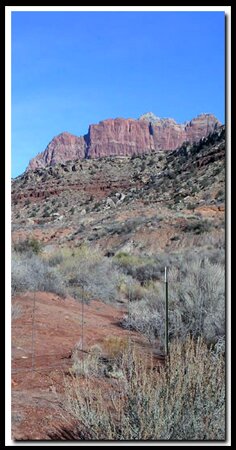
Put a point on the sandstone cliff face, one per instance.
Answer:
(200, 127)
(125, 137)
(62, 148)
(169, 135)
(119, 137)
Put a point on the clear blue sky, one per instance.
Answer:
(71, 69)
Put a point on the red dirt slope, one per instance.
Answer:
(37, 394)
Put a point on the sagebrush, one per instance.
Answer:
(196, 304)
(182, 400)
(31, 273)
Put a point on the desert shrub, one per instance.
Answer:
(126, 227)
(194, 189)
(15, 311)
(31, 245)
(115, 346)
(183, 400)
(142, 268)
(87, 271)
(133, 290)
(220, 194)
(55, 259)
(196, 304)
(205, 182)
(191, 206)
(197, 226)
(147, 316)
(215, 255)
(100, 361)
(217, 171)
(148, 271)
(87, 364)
(30, 272)
(46, 211)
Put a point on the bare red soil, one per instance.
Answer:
(38, 381)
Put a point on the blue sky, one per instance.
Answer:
(71, 69)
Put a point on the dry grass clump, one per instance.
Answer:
(100, 360)
(183, 400)
(87, 363)
(114, 346)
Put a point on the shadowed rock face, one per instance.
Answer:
(124, 137)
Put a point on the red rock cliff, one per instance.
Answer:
(125, 137)
(62, 148)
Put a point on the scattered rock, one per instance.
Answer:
(110, 203)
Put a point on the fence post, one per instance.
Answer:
(82, 328)
(166, 311)
(33, 332)
(129, 334)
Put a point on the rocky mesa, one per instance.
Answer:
(125, 137)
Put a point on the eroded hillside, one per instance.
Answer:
(114, 201)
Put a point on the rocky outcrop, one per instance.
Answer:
(168, 134)
(125, 137)
(119, 137)
(62, 148)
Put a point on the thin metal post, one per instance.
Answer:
(33, 333)
(129, 334)
(166, 311)
(82, 329)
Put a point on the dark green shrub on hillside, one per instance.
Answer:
(31, 245)
(197, 227)
(191, 206)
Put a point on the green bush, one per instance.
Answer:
(32, 245)
(191, 206)
(142, 268)
(198, 227)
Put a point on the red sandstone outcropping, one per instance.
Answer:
(62, 148)
(125, 137)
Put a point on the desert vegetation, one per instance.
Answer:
(30, 272)
(182, 400)
(105, 230)
(196, 284)
(196, 303)
(115, 391)
(87, 272)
